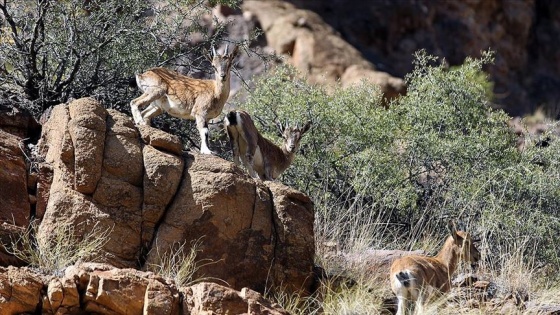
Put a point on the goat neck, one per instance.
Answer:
(222, 87)
(449, 255)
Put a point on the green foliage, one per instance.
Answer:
(53, 50)
(438, 152)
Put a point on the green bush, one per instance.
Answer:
(439, 152)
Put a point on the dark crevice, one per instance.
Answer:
(274, 235)
(107, 128)
(143, 254)
(255, 200)
(146, 249)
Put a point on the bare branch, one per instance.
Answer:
(10, 20)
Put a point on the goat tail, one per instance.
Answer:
(133, 81)
(231, 118)
(405, 278)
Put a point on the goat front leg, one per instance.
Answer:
(202, 127)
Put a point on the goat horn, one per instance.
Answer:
(279, 126)
(225, 54)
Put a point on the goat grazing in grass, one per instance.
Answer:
(262, 158)
(184, 97)
(411, 275)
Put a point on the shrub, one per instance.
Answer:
(53, 50)
(438, 152)
(179, 263)
(63, 248)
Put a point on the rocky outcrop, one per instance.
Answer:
(17, 128)
(15, 205)
(523, 34)
(315, 48)
(150, 197)
(20, 291)
(102, 289)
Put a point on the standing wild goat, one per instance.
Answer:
(262, 158)
(411, 275)
(184, 97)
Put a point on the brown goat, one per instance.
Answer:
(411, 275)
(262, 158)
(184, 97)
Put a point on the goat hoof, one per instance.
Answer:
(207, 151)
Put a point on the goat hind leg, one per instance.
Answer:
(142, 101)
(234, 145)
(150, 111)
(403, 305)
(419, 304)
(202, 127)
(249, 163)
(136, 115)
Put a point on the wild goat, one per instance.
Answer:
(411, 275)
(262, 158)
(184, 97)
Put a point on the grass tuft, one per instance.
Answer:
(63, 248)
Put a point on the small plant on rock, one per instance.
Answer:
(64, 247)
(178, 263)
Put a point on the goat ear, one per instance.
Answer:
(306, 127)
(234, 52)
(452, 229)
(206, 54)
(280, 128)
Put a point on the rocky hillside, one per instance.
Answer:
(523, 34)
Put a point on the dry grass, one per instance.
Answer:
(180, 263)
(62, 248)
(516, 285)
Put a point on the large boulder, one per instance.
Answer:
(149, 198)
(17, 126)
(87, 191)
(15, 206)
(251, 234)
(20, 291)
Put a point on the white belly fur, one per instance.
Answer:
(175, 109)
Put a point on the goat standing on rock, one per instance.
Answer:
(184, 97)
(411, 275)
(262, 158)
